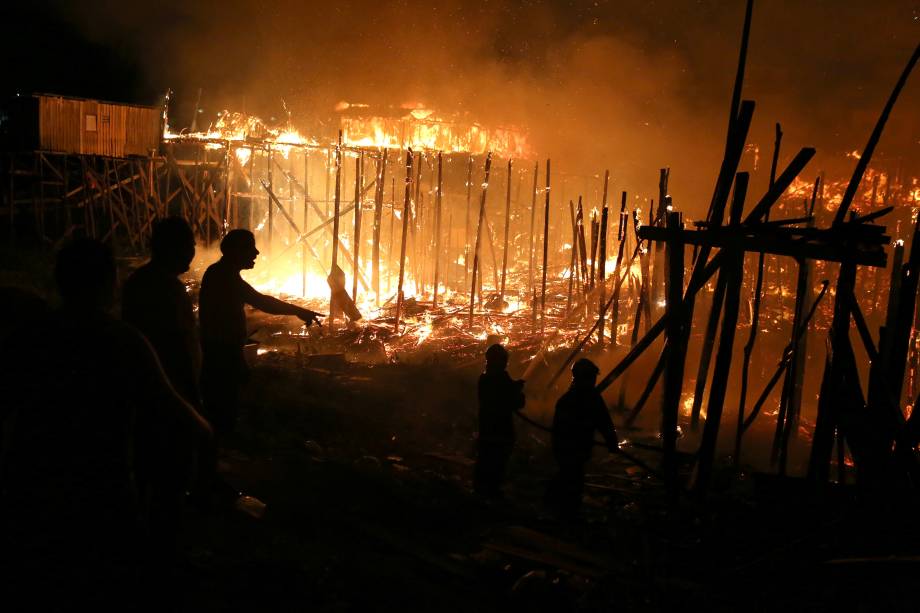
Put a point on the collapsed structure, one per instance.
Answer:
(397, 217)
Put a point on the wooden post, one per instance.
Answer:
(674, 366)
(755, 319)
(582, 248)
(657, 278)
(602, 264)
(709, 337)
(841, 351)
(476, 250)
(306, 218)
(501, 291)
(359, 178)
(270, 207)
(378, 218)
(531, 288)
(466, 243)
(402, 248)
(416, 213)
(573, 266)
(545, 254)
(595, 229)
(334, 308)
(621, 237)
(437, 231)
(732, 269)
(392, 223)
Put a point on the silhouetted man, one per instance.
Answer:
(499, 397)
(223, 325)
(580, 412)
(71, 387)
(155, 301)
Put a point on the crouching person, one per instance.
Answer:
(579, 413)
(499, 397)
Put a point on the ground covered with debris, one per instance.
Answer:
(366, 473)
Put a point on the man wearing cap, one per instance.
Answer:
(499, 397)
(223, 325)
(579, 413)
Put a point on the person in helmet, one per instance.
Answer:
(499, 397)
(580, 412)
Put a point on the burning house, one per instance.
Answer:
(772, 328)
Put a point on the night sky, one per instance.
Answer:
(629, 85)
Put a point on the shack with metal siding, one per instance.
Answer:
(82, 126)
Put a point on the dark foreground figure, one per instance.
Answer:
(156, 302)
(499, 397)
(224, 293)
(73, 388)
(580, 412)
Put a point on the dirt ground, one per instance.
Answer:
(365, 470)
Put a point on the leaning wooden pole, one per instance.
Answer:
(402, 246)
(437, 232)
(732, 268)
(476, 250)
(531, 288)
(501, 291)
(545, 254)
(791, 398)
(866, 156)
(755, 320)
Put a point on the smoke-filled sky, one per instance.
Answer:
(629, 85)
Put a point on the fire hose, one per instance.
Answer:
(626, 455)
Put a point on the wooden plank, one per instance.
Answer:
(675, 358)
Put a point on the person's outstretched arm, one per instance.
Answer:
(274, 306)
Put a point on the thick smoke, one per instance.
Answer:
(630, 85)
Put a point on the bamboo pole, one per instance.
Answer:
(675, 358)
(621, 237)
(732, 269)
(378, 218)
(356, 248)
(602, 266)
(755, 320)
(573, 266)
(501, 291)
(582, 248)
(416, 213)
(476, 250)
(466, 244)
(392, 223)
(402, 247)
(532, 290)
(437, 231)
(271, 187)
(334, 308)
(595, 239)
(306, 219)
(545, 253)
